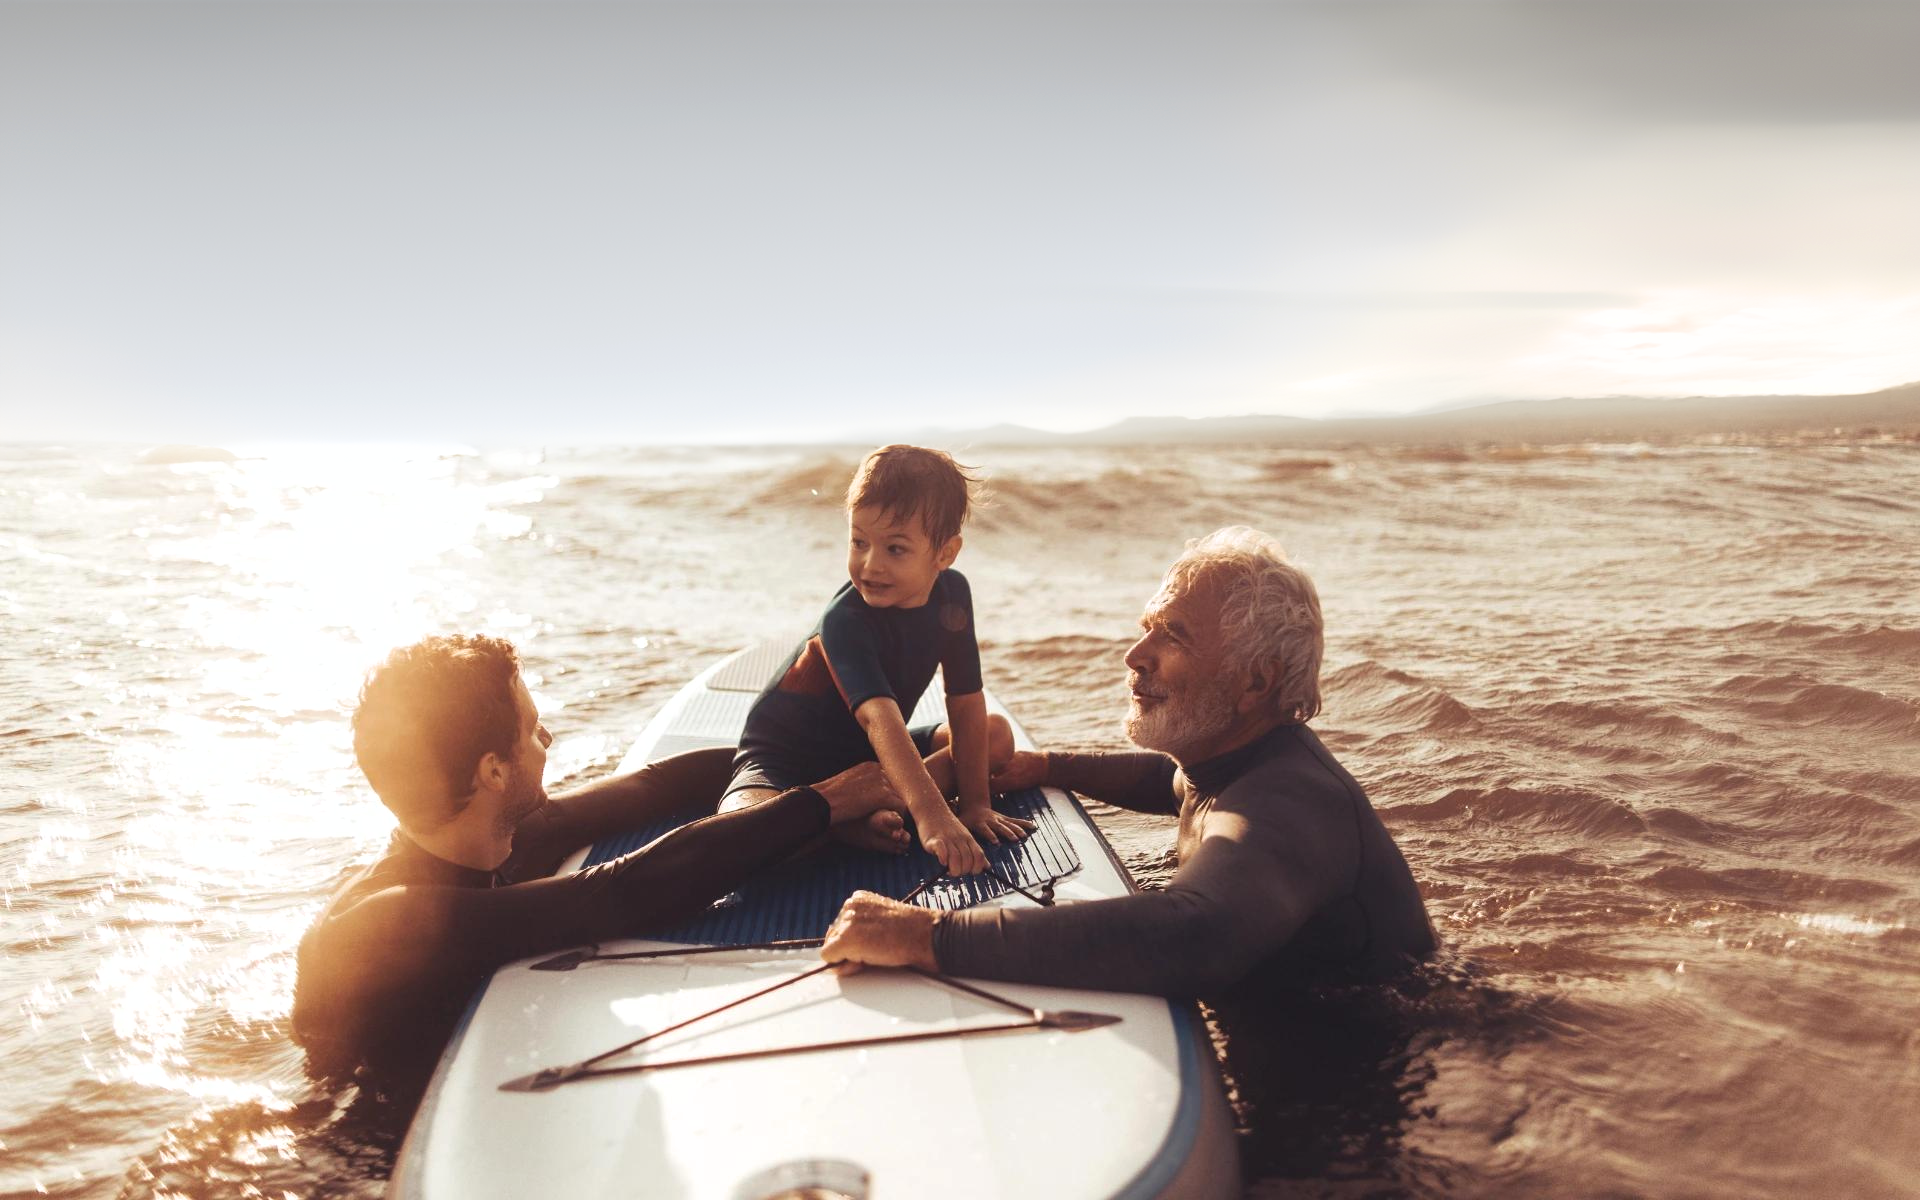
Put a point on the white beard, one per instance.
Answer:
(1181, 722)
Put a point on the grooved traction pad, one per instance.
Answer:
(799, 898)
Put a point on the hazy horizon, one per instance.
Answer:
(683, 222)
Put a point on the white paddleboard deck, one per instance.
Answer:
(1133, 1109)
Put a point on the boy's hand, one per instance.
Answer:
(949, 841)
(993, 827)
(1026, 769)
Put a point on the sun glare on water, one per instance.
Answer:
(305, 566)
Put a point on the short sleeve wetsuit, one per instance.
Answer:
(1285, 870)
(389, 965)
(803, 727)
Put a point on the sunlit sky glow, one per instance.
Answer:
(514, 222)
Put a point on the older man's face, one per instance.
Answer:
(1184, 684)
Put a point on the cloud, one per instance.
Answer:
(495, 220)
(1732, 61)
(1710, 345)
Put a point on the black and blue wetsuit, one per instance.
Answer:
(803, 726)
(389, 965)
(1285, 872)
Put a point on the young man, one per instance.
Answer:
(449, 738)
(844, 694)
(1284, 867)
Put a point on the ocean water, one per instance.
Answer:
(1646, 723)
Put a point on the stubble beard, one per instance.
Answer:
(527, 798)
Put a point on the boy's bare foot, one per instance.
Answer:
(854, 793)
(883, 831)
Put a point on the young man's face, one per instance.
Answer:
(892, 562)
(528, 790)
(1184, 689)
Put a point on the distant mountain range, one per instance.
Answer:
(1894, 411)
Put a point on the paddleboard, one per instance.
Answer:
(946, 1092)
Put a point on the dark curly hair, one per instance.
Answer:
(913, 481)
(427, 715)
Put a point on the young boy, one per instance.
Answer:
(845, 693)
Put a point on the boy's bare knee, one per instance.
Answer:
(939, 766)
(999, 741)
(745, 798)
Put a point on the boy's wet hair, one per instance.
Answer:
(913, 481)
(427, 715)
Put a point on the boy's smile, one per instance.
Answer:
(891, 561)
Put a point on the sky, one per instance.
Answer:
(558, 222)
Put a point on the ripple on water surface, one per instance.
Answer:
(1657, 771)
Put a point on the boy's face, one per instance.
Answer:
(892, 562)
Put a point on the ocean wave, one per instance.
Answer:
(1621, 725)
(1776, 541)
(1826, 814)
(1016, 501)
(1894, 584)
(1871, 500)
(1763, 884)
(1675, 822)
(1904, 937)
(1070, 648)
(1566, 810)
(819, 480)
(1876, 641)
(1806, 702)
(1714, 777)
(1543, 864)
(1430, 454)
(1906, 854)
(1289, 470)
(594, 490)
(1380, 698)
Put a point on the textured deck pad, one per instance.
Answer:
(799, 899)
(751, 670)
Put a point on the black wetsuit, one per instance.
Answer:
(803, 725)
(390, 964)
(1284, 870)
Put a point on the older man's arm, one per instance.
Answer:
(1140, 780)
(1237, 899)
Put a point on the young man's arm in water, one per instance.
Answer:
(690, 782)
(383, 965)
(399, 951)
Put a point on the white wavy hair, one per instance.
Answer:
(1269, 611)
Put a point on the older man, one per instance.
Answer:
(448, 736)
(1283, 864)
